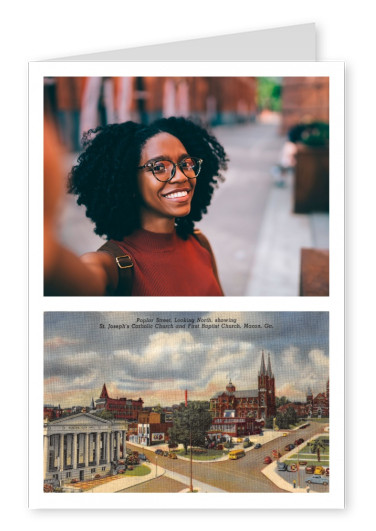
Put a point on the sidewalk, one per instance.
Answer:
(276, 267)
(271, 473)
(130, 481)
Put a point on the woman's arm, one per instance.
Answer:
(64, 272)
(68, 274)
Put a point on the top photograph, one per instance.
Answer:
(186, 186)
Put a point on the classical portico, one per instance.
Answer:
(82, 446)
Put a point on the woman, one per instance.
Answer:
(144, 187)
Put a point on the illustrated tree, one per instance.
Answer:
(281, 401)
(291, 416)
(191, 421)
(104, 414)
(316, 446)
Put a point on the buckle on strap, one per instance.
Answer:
(128, 263)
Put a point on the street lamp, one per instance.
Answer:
(190, 437)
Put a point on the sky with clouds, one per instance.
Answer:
(83, 350)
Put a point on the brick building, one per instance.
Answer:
(152, 428)
(122, 408)
(318, 406)
(253, 403)
(304, 99)
(315, 406)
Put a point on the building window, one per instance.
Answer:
(103, 468)
(92, 470)
(68, 475)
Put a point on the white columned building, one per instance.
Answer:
(81, 446)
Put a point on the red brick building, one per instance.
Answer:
(122, 408)
(304, 100)
(318, 406)
(253, 403)
(235, 426)
(315, 406)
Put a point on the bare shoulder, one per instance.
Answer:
(103, 266)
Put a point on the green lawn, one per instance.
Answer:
(141, 470)
(306, 455)
(208, 456)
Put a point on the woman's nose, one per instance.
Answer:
(178, 176)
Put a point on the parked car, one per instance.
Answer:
(158, 451)
(246, 439)
(309, 469)
(165, 453)
(298, 441)
(239, 439)
(327, 472)
(257, 446)
(284, 434)
(319, 470)
(172, 455)
(289, 447)
(220, 446)
(267, 460)
(276, 454)
(292, 468)
(281, 466)
(302, 463)
(142, 457)
(316, 478)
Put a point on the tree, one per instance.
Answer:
(269, 423)
(191, 421)
(281, 401)
(316, 446)
(104, 414)
(291, 416)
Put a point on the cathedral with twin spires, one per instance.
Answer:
(253, 403)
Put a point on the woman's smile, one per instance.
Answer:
(163, 201)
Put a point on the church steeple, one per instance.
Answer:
(262, 371)
(230, 387)
(269, 372)
(104, 393)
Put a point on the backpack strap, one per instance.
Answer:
(125, 268)
(204, 242)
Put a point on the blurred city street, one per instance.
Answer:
(255, 235)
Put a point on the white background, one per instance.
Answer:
(43, 29)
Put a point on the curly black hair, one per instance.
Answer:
(105, 176)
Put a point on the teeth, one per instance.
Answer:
(177, 194)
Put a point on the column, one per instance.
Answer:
(124, 444)
(108, 447)
(117, 445)
(46, 444)
(74, 451)
(86, 449)
(97, 448)
(61, 452)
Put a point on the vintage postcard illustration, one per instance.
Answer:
(179, 402)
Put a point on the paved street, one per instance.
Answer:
(243, 475)
(235, 216)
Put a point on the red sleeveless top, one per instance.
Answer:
(166, 265)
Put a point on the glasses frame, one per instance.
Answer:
(150, 166)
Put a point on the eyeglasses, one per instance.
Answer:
(165, 170)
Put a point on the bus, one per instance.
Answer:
(236, 454)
